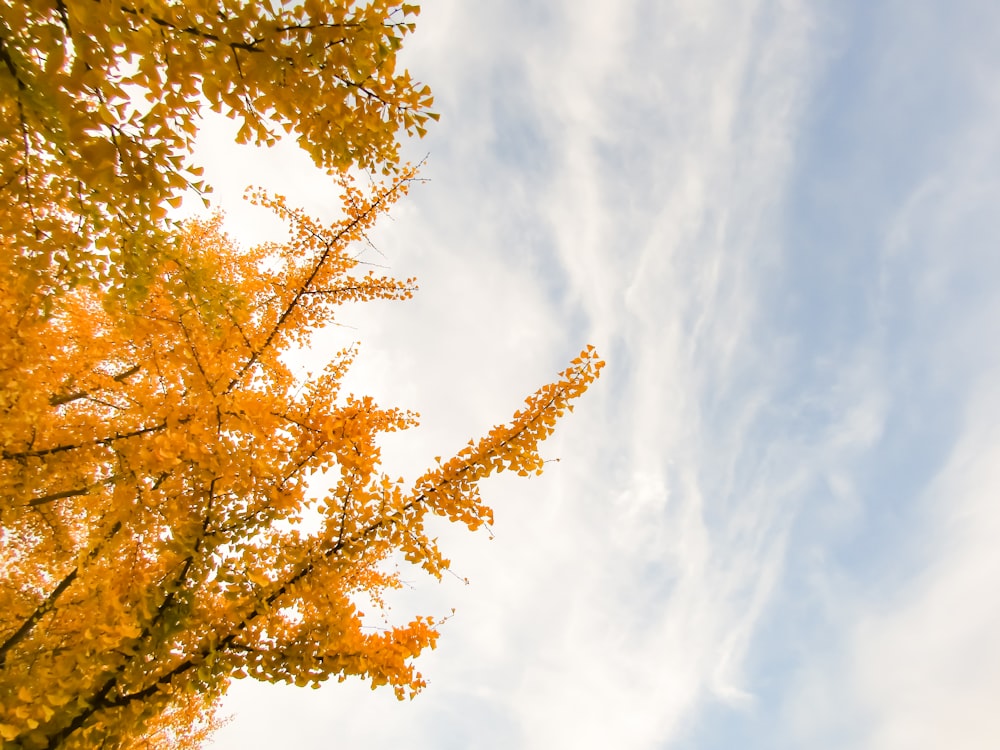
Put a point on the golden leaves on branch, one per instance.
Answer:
(100, 104)
(177, 506)
(163, 527)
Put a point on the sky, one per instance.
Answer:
(773, 521)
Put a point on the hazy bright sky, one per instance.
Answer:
(775, 522)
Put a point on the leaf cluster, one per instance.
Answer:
(178, 507)
(162, 531)
(100, 102)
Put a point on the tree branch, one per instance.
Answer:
(75, 395)
(75, 446)
(46, 606)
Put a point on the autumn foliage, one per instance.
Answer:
(100, 103)
(178, 506)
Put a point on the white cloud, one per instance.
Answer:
(918, 667)
(911, 661)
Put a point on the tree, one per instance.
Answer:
(177, 506)
(100, 102)
(180, 508)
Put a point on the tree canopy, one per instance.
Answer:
(100, 103)
(180, 508)
(179, 505)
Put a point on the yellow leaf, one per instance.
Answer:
(8, 731)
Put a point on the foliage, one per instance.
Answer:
(186, 723)
(180, 508)
(100, 103)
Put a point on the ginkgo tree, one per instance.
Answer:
(179, 507)
(100, 102)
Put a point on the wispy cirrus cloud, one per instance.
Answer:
(892, 649)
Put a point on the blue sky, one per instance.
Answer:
(773, 521)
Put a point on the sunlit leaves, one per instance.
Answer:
(100, 104)
(178, 507)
